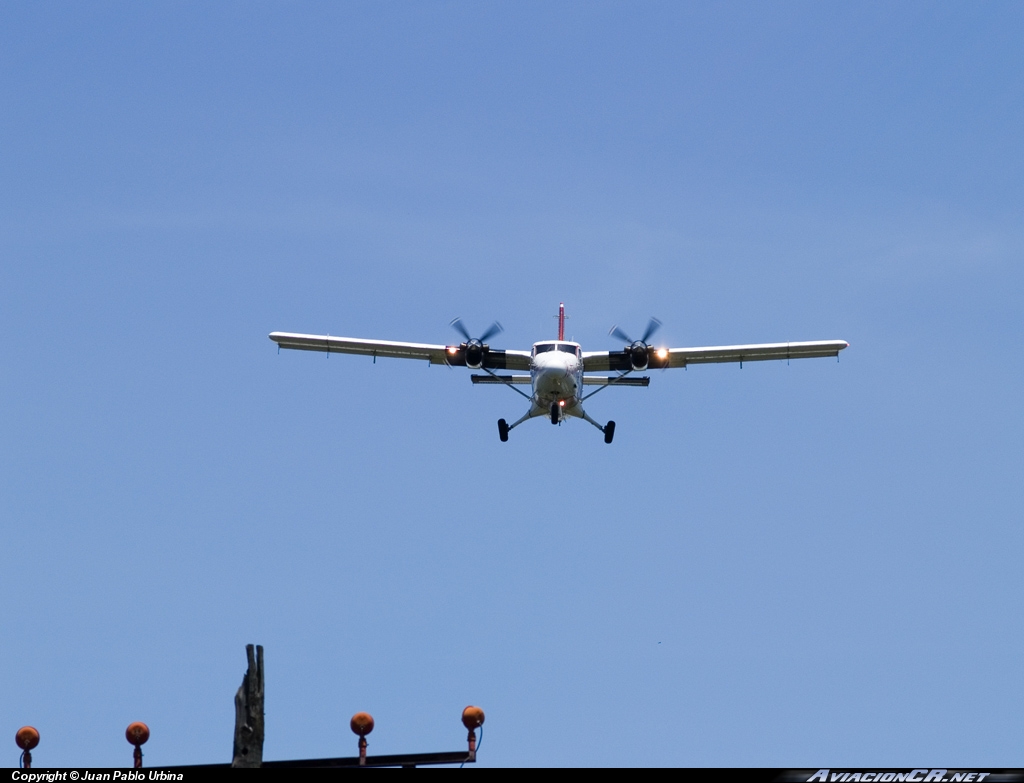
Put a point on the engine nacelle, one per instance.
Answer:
(475, 352)
(639, 355)
(471, 354)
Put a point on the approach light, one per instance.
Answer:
(362, 724)
(27, 737)
(472, 717)
(137, 733)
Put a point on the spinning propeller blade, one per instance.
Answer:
(458, 326)
(617, 332)
(652, 326)
(492, 330)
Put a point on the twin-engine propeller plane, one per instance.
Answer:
(559, 369)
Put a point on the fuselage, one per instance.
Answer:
(556, 372)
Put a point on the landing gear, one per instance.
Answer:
(558, 414)
(609, 431)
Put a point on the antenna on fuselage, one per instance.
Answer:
(561, 320)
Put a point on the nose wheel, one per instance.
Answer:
(554, 413)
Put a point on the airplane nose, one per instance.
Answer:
(546, 376)
(551, 369)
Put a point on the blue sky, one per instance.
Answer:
(802, 565)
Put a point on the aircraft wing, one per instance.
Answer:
(435, 354)
(605, 361)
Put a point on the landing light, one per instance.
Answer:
(452, 349)
(662, 353)
(562, 403)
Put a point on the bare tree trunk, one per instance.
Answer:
(248, 750)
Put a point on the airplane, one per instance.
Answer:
(559, 369)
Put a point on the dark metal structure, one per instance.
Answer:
(247, 750)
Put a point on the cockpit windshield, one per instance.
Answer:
(565, 348)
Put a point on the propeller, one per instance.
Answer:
(475, 349)
(638, 350)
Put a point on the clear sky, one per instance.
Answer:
(780, 565)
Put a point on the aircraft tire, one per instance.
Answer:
(609, 431)
(503, 430)
(554, 413)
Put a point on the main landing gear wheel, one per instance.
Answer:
(609, 431)
(503, 430)
(554, 413)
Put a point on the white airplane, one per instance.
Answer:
(559, 368)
